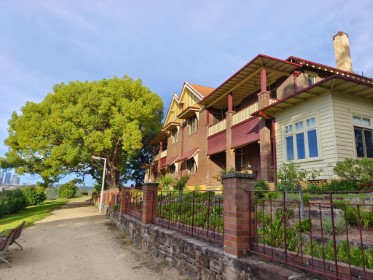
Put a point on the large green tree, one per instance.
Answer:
(111, 118)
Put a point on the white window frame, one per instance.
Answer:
(365, 124)
(301, 126)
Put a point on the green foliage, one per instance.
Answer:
(290, 176)
(339, 225)
(113, 118)
(67, 190)
(314, 188)
(31, 214)
(51, 193)
(365, 219)
(180, 184)
(340, 185)
(355, 171)
(12, 201)
(116, 207)
(192, 208)
(165, 182)
(34, 195)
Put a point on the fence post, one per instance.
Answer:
(239, 211)
(125, 192)
(149, 206)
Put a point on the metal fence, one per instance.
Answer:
(328, 234)
(197, 213)
(134, 201)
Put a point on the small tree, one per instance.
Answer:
(165, 182)
(291, 176)
(180, 184)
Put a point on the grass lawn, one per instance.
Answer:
(31, 214)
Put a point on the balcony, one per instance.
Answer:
(160, 155)
(164, 154)
(244, 114)
(218, 127)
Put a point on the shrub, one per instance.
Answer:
(34, 195)
(180, 184)
(165, 182)
(12, 201)
(355, 170)
(314, 188)
(68, 190)
(51, 193)
(340, 185)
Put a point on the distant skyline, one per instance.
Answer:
(164, 43)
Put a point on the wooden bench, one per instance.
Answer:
(4, 244)
(17, 233)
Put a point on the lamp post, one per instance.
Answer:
(103, 180)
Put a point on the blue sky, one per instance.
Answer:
(164, 43)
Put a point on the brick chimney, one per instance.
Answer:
(342, 51)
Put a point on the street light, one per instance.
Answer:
(103, 180)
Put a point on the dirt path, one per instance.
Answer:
(76, 242)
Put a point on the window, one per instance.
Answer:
(191, 166)
(174, 136)
(301, 140)
(311, 79)
(192, 124)
(172, 169)
(363, 136)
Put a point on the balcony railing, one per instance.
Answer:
(164, 154)
(244, 114)
(220, 126)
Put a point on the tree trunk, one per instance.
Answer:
(112, 175)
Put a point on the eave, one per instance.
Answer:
(246, 81)
(161, 135)
(171, 126)
(334, 84)
(188, 112)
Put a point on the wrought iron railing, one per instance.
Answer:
(331, 235)
(197, 213)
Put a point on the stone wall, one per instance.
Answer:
(195, 258)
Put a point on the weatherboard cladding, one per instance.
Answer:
(245, 132)
(217, 143)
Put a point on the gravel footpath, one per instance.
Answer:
(77, 242)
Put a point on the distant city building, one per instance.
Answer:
(18, 180)
(14, 180)
(1, 176)
(8, 175)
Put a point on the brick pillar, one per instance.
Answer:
(149, 206)
(124, 195)
(239, 213)
(266, 162)
(230, 160)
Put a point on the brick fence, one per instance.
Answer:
(196, 258)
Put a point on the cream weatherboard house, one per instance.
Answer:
(270, 112)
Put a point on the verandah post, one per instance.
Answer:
(149, 206)
(239, 213)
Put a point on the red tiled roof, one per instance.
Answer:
(202, 89)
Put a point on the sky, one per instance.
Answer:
(164, 42)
